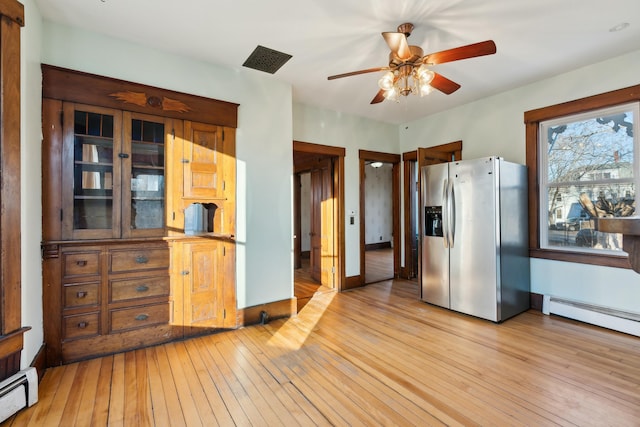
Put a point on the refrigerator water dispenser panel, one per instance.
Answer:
(433, 221)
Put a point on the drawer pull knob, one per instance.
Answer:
(142, 317)
(81, 262)
(141, 259)
(142, 288)
(81, 294)
(83, 325)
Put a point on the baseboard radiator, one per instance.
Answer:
(617, 320)
(17, 392)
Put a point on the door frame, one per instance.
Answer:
(376, 156)
(306, 155)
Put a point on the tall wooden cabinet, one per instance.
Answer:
(125, 166)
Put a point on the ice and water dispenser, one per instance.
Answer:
(433, 221)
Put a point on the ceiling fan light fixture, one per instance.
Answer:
(386, 81)
(424, 74)
(425, 89)
(392, 94)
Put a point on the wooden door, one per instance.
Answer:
(322, 249)
(205, 151)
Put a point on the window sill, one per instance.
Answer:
(603, 260)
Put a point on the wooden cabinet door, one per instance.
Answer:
(91, 171)
(206, 287)
(143, 174)
(206, 151)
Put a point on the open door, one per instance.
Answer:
(322, 219)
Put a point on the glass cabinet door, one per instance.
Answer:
(143, 197)
(90, 174)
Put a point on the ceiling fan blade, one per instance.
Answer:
(355, 73)
(379, 97)
(398, 44)
(463, 52)
(443, 84)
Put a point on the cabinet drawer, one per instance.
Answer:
(139, 317)
(139, 259)
(83, 294)
(127, 289)
(81, 263)
(80, 326)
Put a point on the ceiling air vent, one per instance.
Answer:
(265, 59)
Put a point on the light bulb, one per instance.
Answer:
(392, 94)
(425, 89)
(425, 75)
(386, 81)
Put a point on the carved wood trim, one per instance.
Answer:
(75, 86)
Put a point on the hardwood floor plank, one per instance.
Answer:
(225, 363)
(258, 342)
(89, 387)
(57, 404)
(187, 403)
(144, 416)
(272, 410)
(215, 400)
(156, 391)
(371, 356)
(218, 379)
(283, 405)
(174, 412)
(200, 399)
(116, 402)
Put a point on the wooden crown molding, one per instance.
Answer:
(76, 86)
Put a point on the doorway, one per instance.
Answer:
(379, 249)
(318, 219)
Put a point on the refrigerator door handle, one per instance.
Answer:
(445, 213)
(451, 214)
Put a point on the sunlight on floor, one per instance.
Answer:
(295, 331)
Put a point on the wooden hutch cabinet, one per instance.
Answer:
(127, 170)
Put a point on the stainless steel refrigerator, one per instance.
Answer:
(475, 237)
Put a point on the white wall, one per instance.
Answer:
(30, 198)
(495, 126)
(326, 127)
(263, 138)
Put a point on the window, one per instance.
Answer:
(582, 163)
(587, 161)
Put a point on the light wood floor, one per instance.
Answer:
(372, 356)
(378, 265)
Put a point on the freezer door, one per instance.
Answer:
(474, 252)
(435, 256)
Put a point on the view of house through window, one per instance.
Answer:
(587, 169)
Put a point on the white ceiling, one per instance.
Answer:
(535, 39)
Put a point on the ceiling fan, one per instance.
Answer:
(408, 70)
